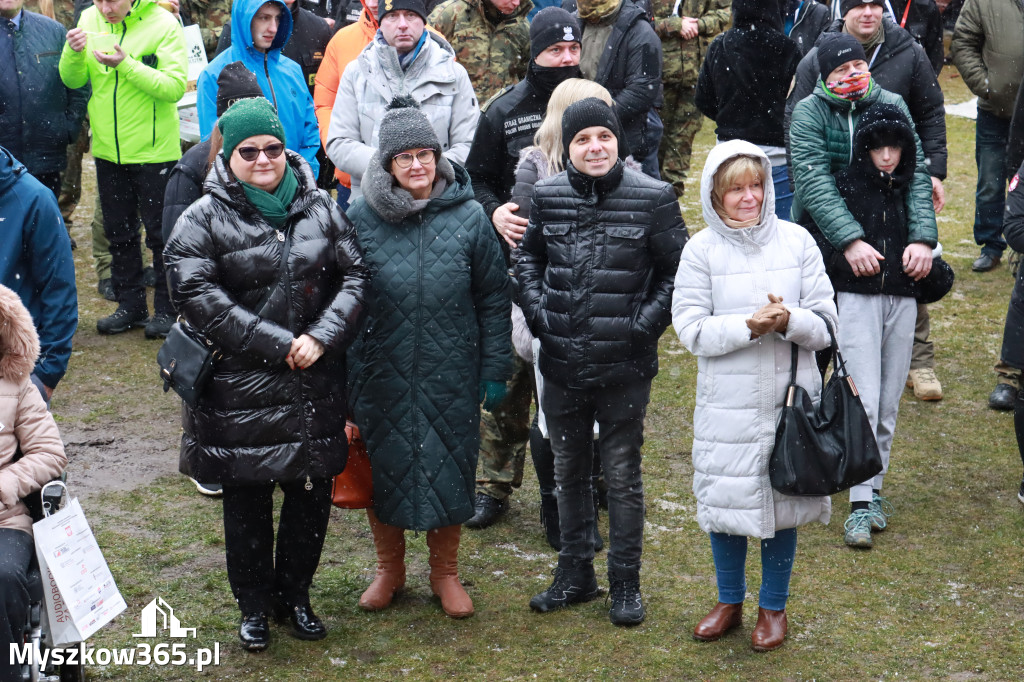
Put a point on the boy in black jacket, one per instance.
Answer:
(877, 308)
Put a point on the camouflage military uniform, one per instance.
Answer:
(681, 60)
(494, 50)
(504, 434)
(211, 15)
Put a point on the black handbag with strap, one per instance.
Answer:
(187, 358)
(828, 449)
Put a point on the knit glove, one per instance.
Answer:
(491, 394)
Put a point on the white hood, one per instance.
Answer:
(718, 156)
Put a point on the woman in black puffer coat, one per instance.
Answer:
(274, 411)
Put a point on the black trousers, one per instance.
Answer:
(128, 191)
(51, 181)
(620, 413)
(16, 550)
(257, 576)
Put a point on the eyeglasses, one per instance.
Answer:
(404, 160)
(252, 153)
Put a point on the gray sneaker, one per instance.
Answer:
(881, 509)
(858, 529)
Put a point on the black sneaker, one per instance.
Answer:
(1020, 493)
(159, 325)
(627, 605)
(574, 583)
(488, 510)
(149, 276)
(209, 489)
(106, 289)
(122, 320)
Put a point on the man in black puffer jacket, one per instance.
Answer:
(596, 274)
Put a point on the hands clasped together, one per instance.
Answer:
(304, 352)
(772, 317)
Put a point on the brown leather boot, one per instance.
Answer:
(390, 544)
(719, 621)
(770, 631)
(444, 571)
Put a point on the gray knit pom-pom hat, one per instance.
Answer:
(404, 126)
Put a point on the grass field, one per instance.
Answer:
(941, 596)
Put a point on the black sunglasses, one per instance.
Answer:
(252, 153)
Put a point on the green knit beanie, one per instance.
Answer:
(247, 118)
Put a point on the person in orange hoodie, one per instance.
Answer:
(343, 48)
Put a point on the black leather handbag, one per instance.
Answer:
(186, 362)
(826, 450)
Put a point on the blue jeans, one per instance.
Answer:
(989, 198)
(344, 194)
(783, 194)
(777, 554)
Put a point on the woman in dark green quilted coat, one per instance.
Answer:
(435, 346)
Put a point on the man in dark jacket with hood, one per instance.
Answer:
(507, 126)
(39, 115)
(596, 274)
(622, 52)
(743, 85)
(36, 263)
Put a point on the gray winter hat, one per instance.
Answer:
(403, 127)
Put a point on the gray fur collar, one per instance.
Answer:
(387, 199)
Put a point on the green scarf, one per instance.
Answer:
(274, 207)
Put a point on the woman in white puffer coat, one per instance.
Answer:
(747, 287)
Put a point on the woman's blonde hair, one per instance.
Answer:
(737, 168)
(549, 135)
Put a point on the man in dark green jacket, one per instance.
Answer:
(820, 144)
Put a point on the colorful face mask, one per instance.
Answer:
(852, 87)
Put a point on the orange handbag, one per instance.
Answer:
(353, 487)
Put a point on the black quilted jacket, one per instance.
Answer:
(259, 421)
(596, 272)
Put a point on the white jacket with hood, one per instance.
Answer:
(724, 276)
(434, 79)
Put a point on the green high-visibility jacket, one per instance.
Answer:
(133, 109)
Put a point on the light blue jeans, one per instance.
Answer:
(777, 555)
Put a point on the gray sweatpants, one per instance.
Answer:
(876, 336)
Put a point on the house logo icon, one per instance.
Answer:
(169, 621)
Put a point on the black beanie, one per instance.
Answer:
(417, 6)
(846, 5)
(235, 82)
(552, 25)
(835, 50)
(588, 113)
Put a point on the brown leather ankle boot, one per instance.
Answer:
(719, 621)
(390, 544)
(444, 571)
(770, 631)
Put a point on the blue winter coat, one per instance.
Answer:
(51, 113)
(280, 79)
(36, 263)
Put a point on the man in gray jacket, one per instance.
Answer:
(988, 50)
(404, 59)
